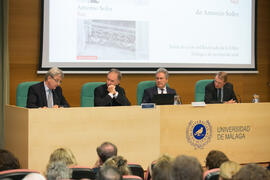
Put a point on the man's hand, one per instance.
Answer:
(111, 89)
(230, 101)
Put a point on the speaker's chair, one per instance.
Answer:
(22, 91)
(87, 93)
(200, 89)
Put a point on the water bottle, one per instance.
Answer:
(255, 98)
(176, 100)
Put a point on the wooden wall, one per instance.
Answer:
(24, 49)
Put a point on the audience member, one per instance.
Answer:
(8, 161)
(63, 154)
(34, 176)
(186, 168)
(252, 172)
(120, 163)
(109, 173)
(162, 168)
(47, 93)
(228, 169)
(162, 76)
(104, 151)
(58, 170)
(215, 158)
(220, 91)
(111, 94)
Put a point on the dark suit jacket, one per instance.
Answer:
(37, 96)
(211, 93)
(149, 93)
(102, 98)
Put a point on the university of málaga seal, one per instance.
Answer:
(199, 133)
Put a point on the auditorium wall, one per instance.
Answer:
(24, 49)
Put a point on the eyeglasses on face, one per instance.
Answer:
(57, 80)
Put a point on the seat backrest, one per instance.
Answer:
(81, 172)
(87, 93)
(131, 177)
(22, 91)
(141, 87)
(16, 174)
(212, 174)
(150, 168)
(200, 89)
(136, 169)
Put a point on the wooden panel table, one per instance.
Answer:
(141, 135)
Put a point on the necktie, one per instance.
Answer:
(219, 95)
(50, 99)
(162, 91)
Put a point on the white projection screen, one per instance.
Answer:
(142, 35)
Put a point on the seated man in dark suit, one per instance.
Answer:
(160, 87)
(47, 93)
(111, 94)
(105, 151)
(220, 91)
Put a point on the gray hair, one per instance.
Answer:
(186, 168)
(54, 71)
(163, 70)
(58, 170)
(119, 75)
(109, 173)
(34, 176)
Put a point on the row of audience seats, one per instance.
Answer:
(87, 91)
(78, 172)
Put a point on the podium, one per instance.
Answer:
(141, 135)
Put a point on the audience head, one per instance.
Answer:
(58, 170)
(8, 161)
(109, 173)
(228, 169)
(220, 79)
(63, 154)
(53, 77)
(162, 168)
(252, 172)
(120, 163)
(215, 158)
(34, 176)
(161, 78)
(186, 168)
(106, 150)
(114, 76)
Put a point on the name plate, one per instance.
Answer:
(148, 105)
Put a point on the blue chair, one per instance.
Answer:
(200, 89)
(22, 91)
(87, 93)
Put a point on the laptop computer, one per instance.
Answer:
(163, 99)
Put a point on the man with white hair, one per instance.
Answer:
(47, 93)
(162, 76)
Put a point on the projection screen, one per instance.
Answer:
(142, 35)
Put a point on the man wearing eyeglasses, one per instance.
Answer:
(48, 93)
(220, 91)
